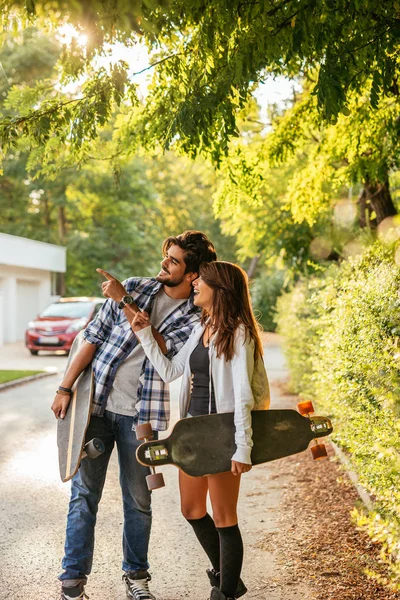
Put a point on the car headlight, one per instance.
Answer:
(31, 325)
(76, 326)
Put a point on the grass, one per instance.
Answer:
(6, 376)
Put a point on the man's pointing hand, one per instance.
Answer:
(112, 288)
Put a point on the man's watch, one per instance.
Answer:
(125, 300)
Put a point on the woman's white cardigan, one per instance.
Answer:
(240, 385)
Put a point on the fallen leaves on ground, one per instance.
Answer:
(320, 544)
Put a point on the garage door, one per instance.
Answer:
(27, 304)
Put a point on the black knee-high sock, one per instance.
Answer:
(231, 551)
(208, 537)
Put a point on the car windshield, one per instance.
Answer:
(71, 310)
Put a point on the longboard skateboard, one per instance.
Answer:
(71, 431)
(205, 445)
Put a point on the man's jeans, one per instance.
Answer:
(86, 490)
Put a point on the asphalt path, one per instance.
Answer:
(34, 503)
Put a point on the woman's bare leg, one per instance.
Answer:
(224, 494)
(193, 495)
(194, 509)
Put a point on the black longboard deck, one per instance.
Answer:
(71, 430)
(205, 445)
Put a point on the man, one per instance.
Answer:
(128, 391)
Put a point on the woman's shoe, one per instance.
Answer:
(215, 580)
(216, 594)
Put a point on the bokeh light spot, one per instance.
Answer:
(389, 229)
(320, 248)
(345, 213)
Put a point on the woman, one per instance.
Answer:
(223, 371)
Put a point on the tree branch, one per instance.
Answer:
(370, 41)
(37, 114)
(60, 105)
(158, 62)
(107, 158)
(273, 11)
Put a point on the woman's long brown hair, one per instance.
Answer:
(231, 307)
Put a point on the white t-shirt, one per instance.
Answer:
(123, 395)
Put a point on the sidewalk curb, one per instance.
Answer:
(16, 382)
(361, 491)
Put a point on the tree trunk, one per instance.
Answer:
(365, 211)
(62, 224)
(253, 266)
(380, 199)
(62, 231)
(46, 212)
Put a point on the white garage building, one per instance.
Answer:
(29, 280)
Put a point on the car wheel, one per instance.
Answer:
(34, 352)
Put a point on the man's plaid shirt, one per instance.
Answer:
(111, 331)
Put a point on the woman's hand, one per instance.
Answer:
(141, 320)
(238, 468)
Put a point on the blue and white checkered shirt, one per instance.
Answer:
(111, 331)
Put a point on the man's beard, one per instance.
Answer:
(170, 282)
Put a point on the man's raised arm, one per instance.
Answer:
(113, 288)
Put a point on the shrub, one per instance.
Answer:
(341, 336)
(265, 291)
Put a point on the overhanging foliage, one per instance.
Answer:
(208, 55)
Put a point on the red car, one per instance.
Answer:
(56, 327)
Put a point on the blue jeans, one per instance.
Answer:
(86, 490)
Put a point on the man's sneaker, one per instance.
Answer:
(77, 592)
(215, 580)
(137, 585)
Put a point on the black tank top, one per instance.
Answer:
(200, 397)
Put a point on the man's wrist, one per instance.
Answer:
(126, 300)
(64, 388)
(64, 391)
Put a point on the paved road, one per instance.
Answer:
(33, 507)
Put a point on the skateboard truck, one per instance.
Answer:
(154, 480)
(93, 448)
(318, 425)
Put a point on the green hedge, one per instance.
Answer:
(342, 340)
(265, 291)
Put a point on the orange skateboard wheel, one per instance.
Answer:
(155, 481)
(319, 451)
(144, 431)
(305, 408)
